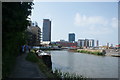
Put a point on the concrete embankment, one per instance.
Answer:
(113, 52)
(46, 57)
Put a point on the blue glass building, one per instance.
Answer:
(71, 37)
(46, 30)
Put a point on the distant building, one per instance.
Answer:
(118, 46)
(46, 30)
(81, 42)
(62, 40)
(85, 43)
(71, 37)
(107, 45)
(97, 43)
(34, 35)
(91, 43)
(67, 44)
(111, 45)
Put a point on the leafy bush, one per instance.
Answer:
(32, 57)
(32, 51)
(67, 75)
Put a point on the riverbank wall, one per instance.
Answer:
(47, 60)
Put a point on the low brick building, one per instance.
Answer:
(67, 44)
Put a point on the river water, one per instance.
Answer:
(90, 66)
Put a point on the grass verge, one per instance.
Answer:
(90, 52)
(33, 58)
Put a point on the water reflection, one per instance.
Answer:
(70, 61)
(88, 65)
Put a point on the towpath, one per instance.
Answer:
(26, 69)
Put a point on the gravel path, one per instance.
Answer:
(26, 69)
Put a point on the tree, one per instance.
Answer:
(14, 23)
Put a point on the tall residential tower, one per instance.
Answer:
(46, 30)
(97, 43)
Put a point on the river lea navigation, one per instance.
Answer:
(90, 66)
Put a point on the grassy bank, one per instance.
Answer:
(49, 73)
(90, 52)
(33, 58)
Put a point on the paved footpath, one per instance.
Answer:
(26, 69)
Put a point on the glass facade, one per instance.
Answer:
(46, 30)
(71, 37)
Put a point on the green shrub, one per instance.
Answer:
(32, 51)
(89, 52)
(67, 75)
(45, 69)
(100, 53)
(32, 57)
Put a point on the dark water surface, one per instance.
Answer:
(91, 66)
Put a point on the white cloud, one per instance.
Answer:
(101, 31)
(83, 20)
(73, 0)
(114, 22)
(48, 16)
(95, 25)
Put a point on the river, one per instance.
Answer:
(88, 65)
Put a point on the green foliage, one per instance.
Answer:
(31, 57)
(45, 69)
(32, 51)
(14, 24)
(15, 15)
(90, 52)
(57, 73)
(67, 75)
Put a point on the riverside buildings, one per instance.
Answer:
(34, 34)
(67, 44)
(91, 43)
(46, 30)
(70, 43)
(97, 43)
(81, 42)
(85, 43)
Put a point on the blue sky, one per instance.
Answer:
(90, 20)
